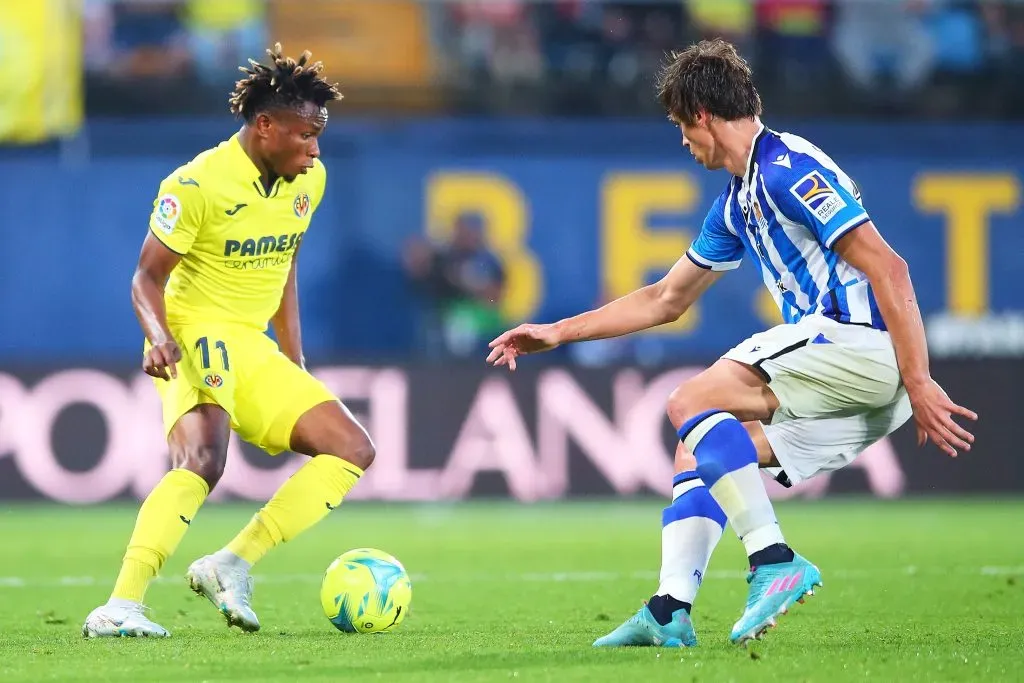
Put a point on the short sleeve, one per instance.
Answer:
(815, 197)
(716, 247)
(178, 213)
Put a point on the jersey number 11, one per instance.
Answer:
(203, 345)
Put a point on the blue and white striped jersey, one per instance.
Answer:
(787, 212)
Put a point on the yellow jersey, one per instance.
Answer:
(236, 241)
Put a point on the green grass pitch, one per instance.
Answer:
(914, 591)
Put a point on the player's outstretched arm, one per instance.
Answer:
(656, 304)
(155, 265)
(889, 275)
(285, 322)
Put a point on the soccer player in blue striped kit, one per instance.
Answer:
(848, 366)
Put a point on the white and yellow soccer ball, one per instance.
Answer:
(366, 591)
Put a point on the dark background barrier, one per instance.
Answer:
(449, 432)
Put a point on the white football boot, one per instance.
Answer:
(224, 580)
(121, 619)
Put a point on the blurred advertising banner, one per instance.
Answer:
(41, 48)
(576, 212)
(449, 432)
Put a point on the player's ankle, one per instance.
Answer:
(662, 607)
(122, 602)
(777, 553)
(225, 556)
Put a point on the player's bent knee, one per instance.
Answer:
(685, 403)
(205, 461)
(330, 429)
(356, 448)
(350, 442)
(363, 453)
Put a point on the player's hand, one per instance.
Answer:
(521, 341)
(933, 413)
(160, 360)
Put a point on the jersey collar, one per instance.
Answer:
(244, 162)
(758, 136)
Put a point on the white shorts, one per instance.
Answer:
(839, 391)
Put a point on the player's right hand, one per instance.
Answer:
(521, 341)
(160, 359)
(933, 413)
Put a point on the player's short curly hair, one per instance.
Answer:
(709, 76)
(285, 83)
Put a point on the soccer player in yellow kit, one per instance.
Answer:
(217, 264)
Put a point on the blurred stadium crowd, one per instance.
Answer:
(852, 58)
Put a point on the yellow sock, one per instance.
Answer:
(162, 522)
(317, 488)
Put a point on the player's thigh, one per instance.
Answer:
(727, 385)
(330, 428)
(199, 382)
(274, 395)
(198, 441)
(806, 447)
(822, 368)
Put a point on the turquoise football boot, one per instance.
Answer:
(643, 630)
(774, 588)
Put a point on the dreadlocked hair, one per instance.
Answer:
(286, 83)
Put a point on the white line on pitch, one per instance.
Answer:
(539, 577)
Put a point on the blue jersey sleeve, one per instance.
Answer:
(826, 203)
(716, 247)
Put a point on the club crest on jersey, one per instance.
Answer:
(213, 380)
(166, 212)
(759, 215)
(301, 204)
(818, 196)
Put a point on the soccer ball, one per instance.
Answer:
(366, 591)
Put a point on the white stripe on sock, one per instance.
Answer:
(701, 430)
(684, 487)
(759, 539)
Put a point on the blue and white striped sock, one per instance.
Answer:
(727, 462)
(690, 529)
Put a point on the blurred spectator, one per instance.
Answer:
(496, 41)
(97, 34)
(1005, 27)
(729, 19)
(223, 34)
(637, 35)
(461, 285)
(570, 35)
(958, 36)
(883, 45)
(794, 43)
(1005, 24)
(946, 58)
(149, 40)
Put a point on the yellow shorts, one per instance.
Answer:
(241, 370)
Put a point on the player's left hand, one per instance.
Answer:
(933, 413)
